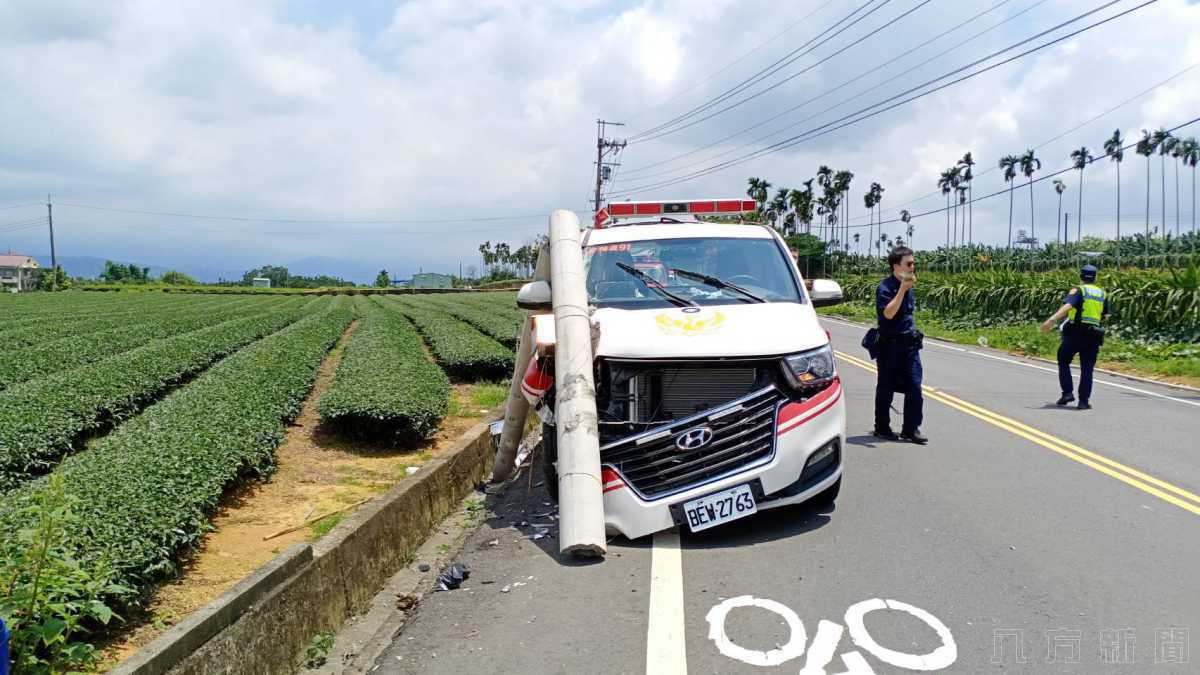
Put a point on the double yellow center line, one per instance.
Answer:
(1128, 475)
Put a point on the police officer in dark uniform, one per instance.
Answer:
(898, 350)
(1085, 307)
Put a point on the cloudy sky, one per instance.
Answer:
(310, 119)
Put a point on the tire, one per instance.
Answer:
(827, 496)
(549, 455)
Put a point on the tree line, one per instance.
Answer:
(795, 211)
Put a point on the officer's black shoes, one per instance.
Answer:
(885, 435)
(1065, 399)
(1084, 405)
(914, 437)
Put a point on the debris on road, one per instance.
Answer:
(452, 577)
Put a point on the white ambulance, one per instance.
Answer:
(717, 390)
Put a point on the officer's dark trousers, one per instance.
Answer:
(1087, 347)
(899, 372)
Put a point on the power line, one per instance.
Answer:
(863, 114)
(780, 63)
(302, 221)
(27, 221)
(20, 206)
(1003, 191)
(789, 78)
(839, 87)
(732, 63)
(291, 233)
(1043, 144)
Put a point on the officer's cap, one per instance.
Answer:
(1088, 272)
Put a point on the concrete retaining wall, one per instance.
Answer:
(264, 627)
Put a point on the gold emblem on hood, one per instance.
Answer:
(689, 325)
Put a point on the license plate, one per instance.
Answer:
(722, 507)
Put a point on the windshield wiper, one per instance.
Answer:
(652, 283)
(717, 283)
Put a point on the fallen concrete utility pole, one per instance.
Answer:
(580, 495)
(517, 409)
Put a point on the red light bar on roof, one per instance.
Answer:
(655, 208)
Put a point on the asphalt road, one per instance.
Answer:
(1071, 535)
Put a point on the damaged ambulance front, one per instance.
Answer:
(717, 391)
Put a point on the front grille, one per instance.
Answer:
(676, 393)
(743, 435)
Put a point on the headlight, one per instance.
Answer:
(810, 368)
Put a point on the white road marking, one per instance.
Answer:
(666, 649)
(942, 657)
(797, 637)
(1035, 366)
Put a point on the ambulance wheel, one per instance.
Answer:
(829, 495)
(550, 460)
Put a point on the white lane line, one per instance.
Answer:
(1027, 364)
(666, 649)
(1094, 379)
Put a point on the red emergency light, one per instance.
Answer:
(662, 208)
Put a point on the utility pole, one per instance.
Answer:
(53, 254)
(604, 146)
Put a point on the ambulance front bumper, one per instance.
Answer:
(763, 440)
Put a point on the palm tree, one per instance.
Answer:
(869, 202)
(757, 191)
(1162, 139)
(1114, 146)
(1145, 147)
(801, 202)
(967, 162)
(1030, 164)
(905, 217)
(841, 180)
(879, 244)
(778, 206)
(825, 180)
(946, 184)
(1178, 151)
(1059, 187)
(1191, 157)
(1081, 158)
(1009, 164)
(877, 190)
(856, 248)
(962, 200)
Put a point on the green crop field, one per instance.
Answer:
(125, 417)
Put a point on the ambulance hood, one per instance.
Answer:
(734, 330)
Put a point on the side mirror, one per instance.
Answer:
(535, 295)
(825, 292)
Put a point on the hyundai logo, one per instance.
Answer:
(694, 439)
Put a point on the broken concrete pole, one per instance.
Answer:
(517, 408)
(580, 493)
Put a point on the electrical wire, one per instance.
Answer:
(1003, 191)
(789, 78)
(300, 221)
(782, 62)
(839, 87)
(291, 233)
(866, 113)
(729, 65)
(1073, 129)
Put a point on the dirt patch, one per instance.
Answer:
(318, 472)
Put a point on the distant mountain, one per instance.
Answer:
(91, 268)
(351, 270)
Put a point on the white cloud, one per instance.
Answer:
(485, 107)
